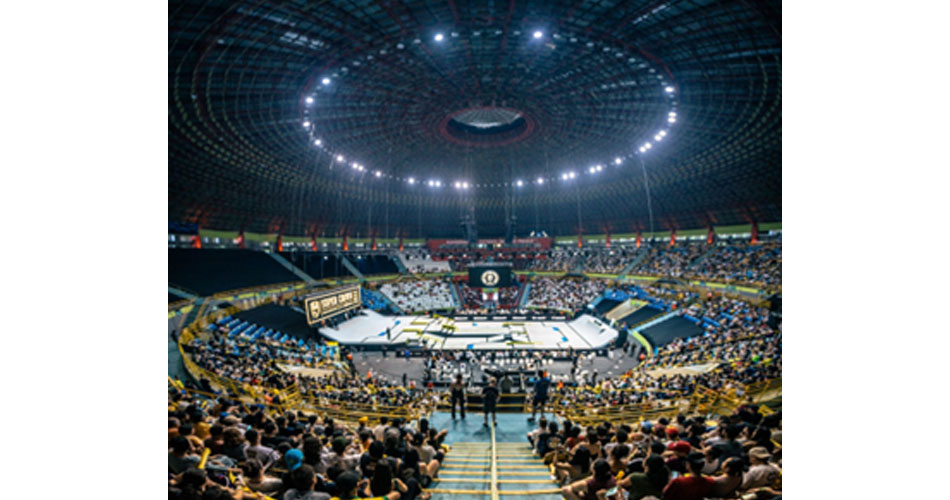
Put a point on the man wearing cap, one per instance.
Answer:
(761, 472)
(677, 453)
(692, 486)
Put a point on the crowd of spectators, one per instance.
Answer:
(733, 331)
(664, 260)
(687, 458)
(420, 295)
(292, 455)
(563, 294)
(608, 260)
(744, 263)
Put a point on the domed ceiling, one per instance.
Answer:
(397, 117)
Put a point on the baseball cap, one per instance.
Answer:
(293, 458)
(680, 446)
(760, 453)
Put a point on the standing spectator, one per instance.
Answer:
(458, 395)
(540, 394)
(490, 399)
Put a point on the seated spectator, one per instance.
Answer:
(651, 481)
(726, 485)
(761, 472)
(591, 489)
(256, 480)
(693, 486)
(384, 484)
(303, 479)
(180, 458)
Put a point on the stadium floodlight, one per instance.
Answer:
(326, 81)
(669, 90)
(564, 177)
(306, 124)
(540, 180)
(672, 113)
(617, 161)
(519, 183)
(648, 145)
(571, 174)
(431, 183)
(309, 100)
(411, 180)
(592, 169)
(340, 158)
(663, 133)
(317, 142)
(643, 149)
(599, 167)
(538, 34)
(671, 119)
(439, 37)
(658, 137)
(379, 174)
(465, 185)
(438, 184)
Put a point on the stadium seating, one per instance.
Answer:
(210, 271)
(319, 265)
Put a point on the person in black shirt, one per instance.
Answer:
(490, 398)
(458, 395)
(540, 394)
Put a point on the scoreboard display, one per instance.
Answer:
(489, 275)
(329, 303)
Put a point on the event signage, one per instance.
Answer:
(329, 303)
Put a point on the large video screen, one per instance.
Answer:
(489, 276)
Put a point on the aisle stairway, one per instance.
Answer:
(467, 469)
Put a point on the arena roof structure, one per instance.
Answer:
(398, 117)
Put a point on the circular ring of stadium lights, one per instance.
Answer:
(565, 39)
